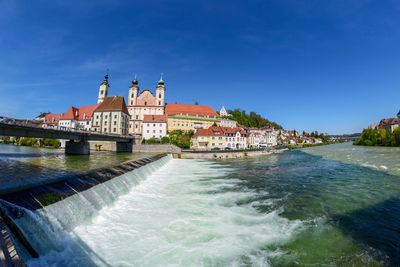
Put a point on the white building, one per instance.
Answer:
(254, 140)
(154, 126)
(236, 138)
(223, 112)
(111, 116)
(77, 118)
(228, 123)
(271, 137)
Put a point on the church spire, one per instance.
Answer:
(105, 81)
(135, 81)
(161, 82)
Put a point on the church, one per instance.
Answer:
(144, 103)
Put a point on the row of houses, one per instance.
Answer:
(146, 116)
(388, 124)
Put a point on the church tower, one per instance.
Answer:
(103, 90)
(160, 92)
(133, 92)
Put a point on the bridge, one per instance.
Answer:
(78, 140)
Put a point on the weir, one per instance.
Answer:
(39, 218)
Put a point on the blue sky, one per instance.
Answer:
(330, 66)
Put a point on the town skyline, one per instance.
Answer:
(284, 65)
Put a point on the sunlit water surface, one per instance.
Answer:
(334, 205)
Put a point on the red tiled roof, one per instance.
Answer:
(88, 110)
(389, 121)
(211, 131)
(155, 118)
(233, 130)
(71, 114)
(113, 103)
(82, 113)
(190, 110)
(52, 118)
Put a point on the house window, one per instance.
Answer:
(136, 126)
(97, 116)
(137, 117)
(148, 131)
(115, 130)
(160, 131)
(145, 103)
(159, 95)
(115, 116)
(105, 123)
(115, 123)
(154, 125)
(131, 95)
(105, 129)
(105, 116)
(101, 92)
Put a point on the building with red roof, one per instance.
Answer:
(77, 118)
(154, 126)
(219, 137)
(190, 117)
(51, 120)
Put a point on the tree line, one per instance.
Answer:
(252, 119)
(381, 137)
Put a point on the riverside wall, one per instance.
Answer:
(149, 148)
(224, 154)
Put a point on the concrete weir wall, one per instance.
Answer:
(41, 195)
(224, 154)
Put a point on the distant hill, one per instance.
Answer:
(252, 119)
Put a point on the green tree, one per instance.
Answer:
(165, 140)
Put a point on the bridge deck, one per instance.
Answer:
(24, 131)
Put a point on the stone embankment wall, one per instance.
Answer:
(159, 148)
(224, 154)
(150, 148)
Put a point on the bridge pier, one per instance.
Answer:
(123, 146)
(77, 148)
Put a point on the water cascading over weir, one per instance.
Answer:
(41, 217)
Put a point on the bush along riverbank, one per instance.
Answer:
(381, 137)
(311, 145)
(35, 142)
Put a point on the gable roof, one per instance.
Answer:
(210, 131)
(82, 113)
(234, 130)
(191, 110)
(113, 103)
(155, 118)
(52, 118)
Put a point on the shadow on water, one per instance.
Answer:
(29, 155)
(376, 227)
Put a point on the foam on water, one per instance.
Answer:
(175, 212)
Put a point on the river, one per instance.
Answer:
(335, 205)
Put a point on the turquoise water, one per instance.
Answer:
(334, 205)
(21, 165)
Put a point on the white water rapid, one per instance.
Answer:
(167, 213)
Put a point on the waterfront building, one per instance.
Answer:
(389, 124)
(210, 138)
(77, 118)
(254, 140)
(111, 116)
(51, 120)
(144, 103)
(271, 137)
(154, 126)
(228, 123)
(190, 117)
(235, 137)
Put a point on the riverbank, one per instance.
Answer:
(225, 154)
